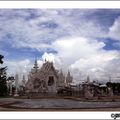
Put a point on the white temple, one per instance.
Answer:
(46, 79)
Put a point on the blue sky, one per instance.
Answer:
(85, 41)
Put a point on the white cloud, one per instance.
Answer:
(73, 48)
(40, 63)
(114, 30)
(48, 57)
(37, 28)
(20, 67)
(85, 56)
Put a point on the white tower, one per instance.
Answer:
(88, 79)
(23, 81)
(61, 79)
(69, 78)
(16, 85)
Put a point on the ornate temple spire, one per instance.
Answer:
(36, 65)
(88, 79)
(61, 78)
(23, 80)
(61, 72)
(69, 78)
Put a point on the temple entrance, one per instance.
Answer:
(51, 80)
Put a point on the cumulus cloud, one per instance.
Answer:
(20, 67)
(37, 28)
(114, 30)
(84, 56)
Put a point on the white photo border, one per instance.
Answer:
(60, 5)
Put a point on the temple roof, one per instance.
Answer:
(47, 66)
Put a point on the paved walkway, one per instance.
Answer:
(11, 103)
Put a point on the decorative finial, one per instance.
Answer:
(88, 79)
(36, 65)
(69, 78)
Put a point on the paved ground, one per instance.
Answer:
(55, 104)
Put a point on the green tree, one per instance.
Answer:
(3, 78)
